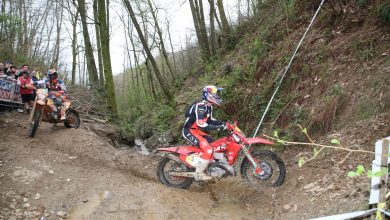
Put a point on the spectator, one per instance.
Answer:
(25, 68)
(11, 73)
(34, 76)
(2, 69)
(26, 90)
(7, 66)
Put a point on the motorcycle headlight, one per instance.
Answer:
(236, 138)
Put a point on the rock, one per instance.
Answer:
(25, 200)
(36, 213)
(62, 214)
(290, 207)
(309, 186)
(105, 130)
(51, 172)
(68, 180)
(159, 140)
(37, 196)
(85, 200)
(26, 205)
(12, 206)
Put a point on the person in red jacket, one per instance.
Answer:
(26, 89)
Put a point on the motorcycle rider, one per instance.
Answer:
(56, 88)
(199, 118)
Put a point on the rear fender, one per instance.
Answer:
(259, 141)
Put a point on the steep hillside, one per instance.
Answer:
(337, 87)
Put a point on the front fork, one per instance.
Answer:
(255, 163)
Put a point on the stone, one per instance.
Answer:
(62, 214)
(51, 172)
(26, 205)
(37, 196)
(25, 200)
(308, 186)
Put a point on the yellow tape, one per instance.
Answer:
(381, 205)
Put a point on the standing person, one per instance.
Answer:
(7, 66)
(12, 72)
(199, 118)
(2, 69)
(26, 90)
(25, 67)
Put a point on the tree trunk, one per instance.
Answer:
(203, 28)
(98, 44)
(91, 64)
(74, 47)
(160, 80)
(105, 43)
(172, 51)
(225, 23)
(212, 29)
(200, 29)
(56, 54)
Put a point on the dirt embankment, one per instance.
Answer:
(76, 174)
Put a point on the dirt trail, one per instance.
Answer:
(75, 174)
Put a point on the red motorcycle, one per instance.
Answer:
(256, 166)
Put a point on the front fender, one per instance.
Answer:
(257, 140)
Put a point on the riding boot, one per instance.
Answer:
(62, 112)
(200, 167)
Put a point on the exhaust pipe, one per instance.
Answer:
(176, 159)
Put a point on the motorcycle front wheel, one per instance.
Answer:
(272, 166)
(34, 124)
(167, 165)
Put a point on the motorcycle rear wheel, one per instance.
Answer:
(167, 165)
(272, 165)
(72, 119)
(34, 124)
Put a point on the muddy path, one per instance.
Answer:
(76, 174)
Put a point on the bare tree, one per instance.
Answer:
(91, 64)
(157, 72)
(98, 44)
(225, 24)
(212, 28)
(74, 45)
(200, 27)
(153, 11)
(105, 44)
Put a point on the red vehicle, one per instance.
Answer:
(261, 168)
